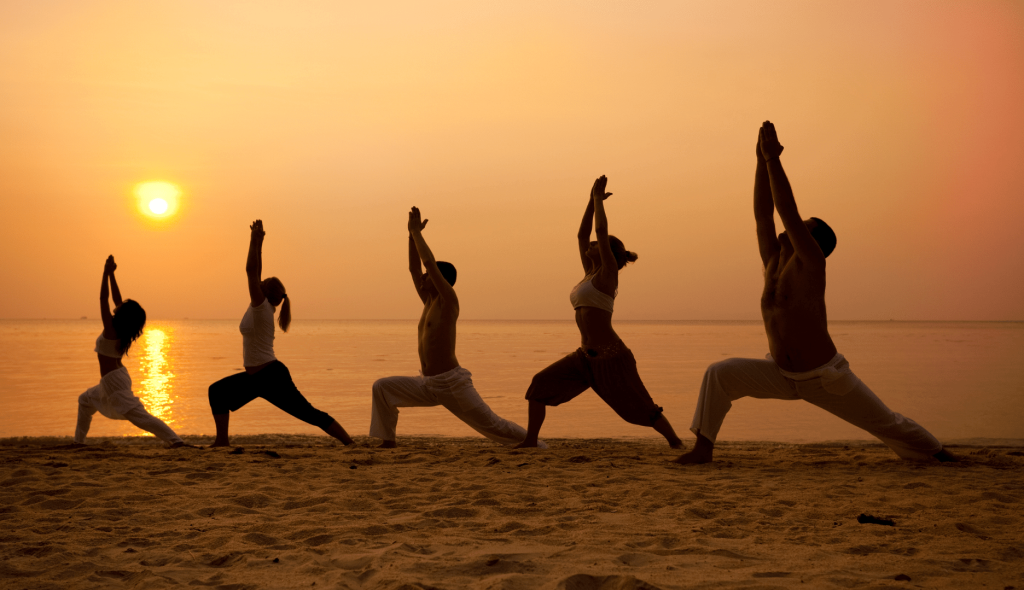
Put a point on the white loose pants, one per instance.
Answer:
(454, 390)
(832, 387)
(114, 399)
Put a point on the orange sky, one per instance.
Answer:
(903, 125)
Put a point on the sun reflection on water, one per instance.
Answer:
(156, 392)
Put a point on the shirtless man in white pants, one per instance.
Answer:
(442, 381)
(804, 363)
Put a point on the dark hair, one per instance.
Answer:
(276, 295)
(448, 272)
(824, 235)
(622, 255)
(129, 319)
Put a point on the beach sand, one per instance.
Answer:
(300, 512)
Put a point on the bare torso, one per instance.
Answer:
(595, 326)
(437, 336)
(108, 364)
(793, 309)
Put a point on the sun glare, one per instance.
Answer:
(157, 199)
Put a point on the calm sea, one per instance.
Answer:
(961, 380)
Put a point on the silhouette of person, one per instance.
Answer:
(113, 396)
(264, 375)
(804, 363)
(442, 381)
(602, 362)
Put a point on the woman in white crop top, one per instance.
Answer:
(113, 396)
(602, 362)
(264, 375)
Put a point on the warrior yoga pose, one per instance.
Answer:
(113, 397)
(803, 363)
(442, 381)
(264, 375)
(602, 362)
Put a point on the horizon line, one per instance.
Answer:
(180, 319)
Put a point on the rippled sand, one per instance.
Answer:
(298, 512)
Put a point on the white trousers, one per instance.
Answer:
(114, 399)
(454, 390)
(832, 387)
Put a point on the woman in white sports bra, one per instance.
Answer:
(264, 375)
(113, 396)
(602, 362)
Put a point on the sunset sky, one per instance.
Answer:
(903, 124)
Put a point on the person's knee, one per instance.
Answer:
(538, 386)
(217, 397)
(724, 367)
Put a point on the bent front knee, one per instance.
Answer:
(218, 400)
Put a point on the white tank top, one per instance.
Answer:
(106, 347)
(257, 330)
(585, 294)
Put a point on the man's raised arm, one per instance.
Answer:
(764, 209)
(782, 194)
(414, 266)
(444, 290)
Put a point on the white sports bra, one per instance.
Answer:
(585, 294)
(106, 347)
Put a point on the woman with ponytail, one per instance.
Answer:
(113, 397)
(264, 375)
(602, 362)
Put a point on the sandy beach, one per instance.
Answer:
(293, 511)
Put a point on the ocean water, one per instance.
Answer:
(961, 380)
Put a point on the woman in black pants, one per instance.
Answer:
(264, 375)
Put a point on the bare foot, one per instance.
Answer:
(218, 443)
(676, 444)
(526, 444)
(694, 457)
(703, 452)
(946, 457)
(388, 444)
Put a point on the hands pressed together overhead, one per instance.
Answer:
(257, 229)
(598, 191)
(768, 146)
(414, 220)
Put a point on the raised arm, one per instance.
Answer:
(105, 315)
(115, 293)
(444, 290)
(607, 279)
(583, 236)
(254, 263)
(782, 194)
(415, 269)
(764, 209)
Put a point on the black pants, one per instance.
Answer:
(274, 384)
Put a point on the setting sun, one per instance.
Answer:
(157, 199)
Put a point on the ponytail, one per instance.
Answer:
(284, 319)
(622, 255)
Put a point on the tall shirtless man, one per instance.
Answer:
(442, 381)
(803, 363)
